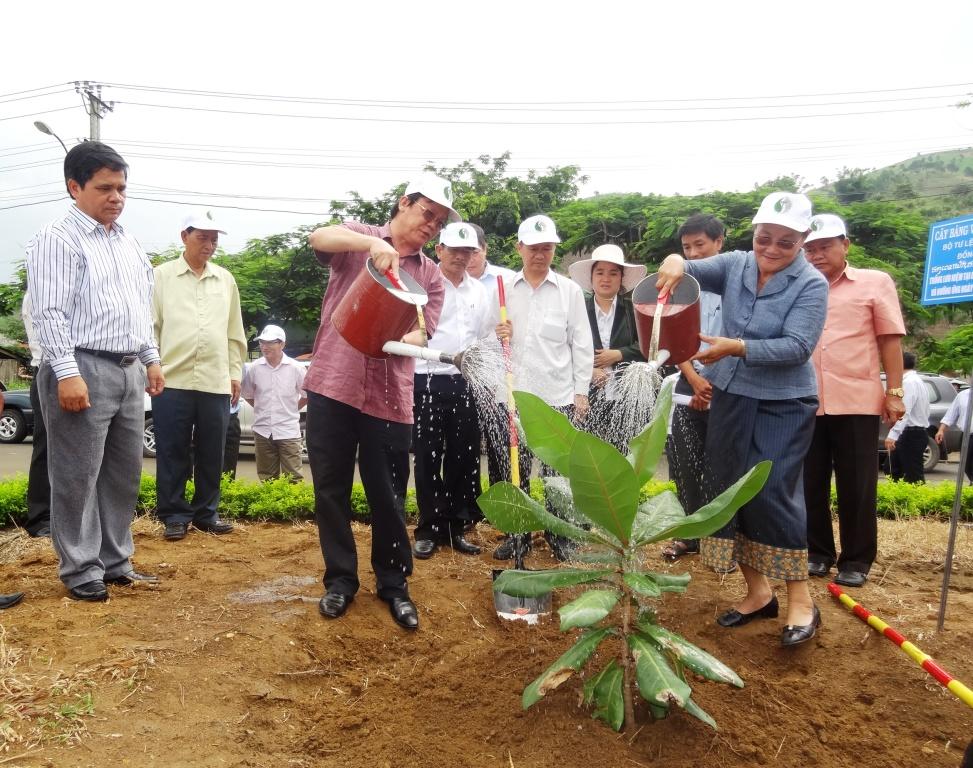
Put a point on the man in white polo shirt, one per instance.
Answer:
(446, 434)
(550, 340)
(274, 385)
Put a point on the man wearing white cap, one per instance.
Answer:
(274, 385)
(446, 438)
(551, 349)
(864, 329)
(196, 311)
(361, 405)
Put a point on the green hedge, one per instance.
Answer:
(283, 500)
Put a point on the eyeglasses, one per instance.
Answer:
(765, 241)
(430, 217)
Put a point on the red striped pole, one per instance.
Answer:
(924, 660)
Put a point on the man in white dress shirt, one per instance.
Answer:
(446, 433)
(907, 439)
(274, 385)
(550, 341)
(90, 285)
(956, 417)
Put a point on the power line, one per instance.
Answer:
(34, 96)
(563, 123)
(34, 90)
(35, 114)
(519, 104)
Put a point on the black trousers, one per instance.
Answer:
(231, 446)
(336, 432)
(688, 467)
(38, 480)
(446, 444)
(494, 427)
(848, 446)
(905, 462)
(190, 431)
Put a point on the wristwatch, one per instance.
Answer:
(895, 391)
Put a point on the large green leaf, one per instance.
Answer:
(569, 663)
(718, 512)
(642, 584)
(647, 446)
(658, 683)
(549, 433)
(534, 583)
(656, 514)
(698, 712)
(690, 656)
(589, 609)
(511, 510)
(604, 486)
(604, 690)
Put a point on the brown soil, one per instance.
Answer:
(228, 663)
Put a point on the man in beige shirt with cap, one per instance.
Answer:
(196, 311)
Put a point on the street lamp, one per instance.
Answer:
(45, 128)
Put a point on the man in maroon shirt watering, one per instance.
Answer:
(364, 405)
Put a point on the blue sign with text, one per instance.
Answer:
(948, 278)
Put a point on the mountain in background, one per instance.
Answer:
(937, 186)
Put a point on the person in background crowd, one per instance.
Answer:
(446, 436)
(956, 417)
(907, 439)
(763, 404)
(611, 317)
(196, 309)
(364, 406)
(274, 386)
(864, 328)
(38, 523)
(550, 345)
(9, 601)
(701, 236)
(90, 284)
(496, 413)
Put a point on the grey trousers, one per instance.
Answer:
(94, 459)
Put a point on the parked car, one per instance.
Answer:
(17, 419)
(941, 393)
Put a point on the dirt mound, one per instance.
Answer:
(228, 663)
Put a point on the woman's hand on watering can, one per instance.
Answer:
(504, 331)
(719, 347)
(670, 273)
(384, 256)
(599, 377)
(580, 408)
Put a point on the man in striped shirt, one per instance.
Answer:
(91, 288)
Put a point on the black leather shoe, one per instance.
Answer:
(505, 550)
(851, 578)
(91, 591)
(132, 577)
(404, 612)
(460, 544)
(817, 568)
(176, 531)
(9, 601)
(219, 527)
(561, 547)
(801, 633)
(43, 532)
(334, 604)
(736, 619)
(424, 548)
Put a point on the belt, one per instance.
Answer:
(121, 358)
(912, 429)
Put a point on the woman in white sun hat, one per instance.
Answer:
(608, 282)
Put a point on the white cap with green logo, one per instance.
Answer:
(537, 229)
(459, 235)
(826, 225)
(437, 189)
(787, 209)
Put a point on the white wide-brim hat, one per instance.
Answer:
(580, 271)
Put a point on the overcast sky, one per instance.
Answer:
(340, 96)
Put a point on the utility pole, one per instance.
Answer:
(93, 105)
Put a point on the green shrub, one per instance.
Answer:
(13, 499)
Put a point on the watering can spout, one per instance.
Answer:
(420, 353)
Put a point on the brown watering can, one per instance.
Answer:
(374, 311)
(679, 312)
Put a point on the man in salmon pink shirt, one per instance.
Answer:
(863, 329)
